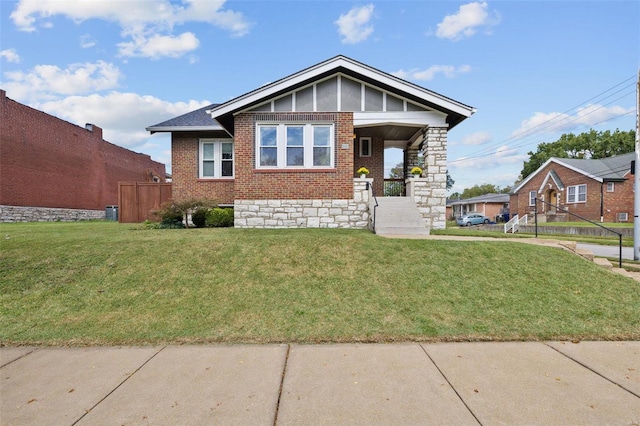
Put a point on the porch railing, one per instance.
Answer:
(394, 188)
(514, 224)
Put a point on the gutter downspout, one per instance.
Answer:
(602, 201)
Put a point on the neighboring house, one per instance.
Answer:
(51, 169)
(598, 190)
(286, 154)
(494, 206)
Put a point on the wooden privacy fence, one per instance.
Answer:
(138, 199)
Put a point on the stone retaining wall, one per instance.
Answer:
(351, 213)
(46, 214)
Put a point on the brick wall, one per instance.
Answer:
(621, 200)
(186, 184)
(374, 163)
(254, 184)
(49, 162)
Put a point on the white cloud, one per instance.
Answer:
(10, 55)
(551, 122)
(477, 138)
(500, 157)
(449, 71)
(148, 23)
(50, 81)
(86, 41)
(157, 46)
(354, 26)
(466, 21)
(122, 116)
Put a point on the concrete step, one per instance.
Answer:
(401, 231)
(587, 254)
(399, 216)
(601, 261)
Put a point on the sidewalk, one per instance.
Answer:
(550, 383)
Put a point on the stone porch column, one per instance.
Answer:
(433, 205)
(411, 160)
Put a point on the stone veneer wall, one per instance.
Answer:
(349, 213)
(430, 192)
(46, 214)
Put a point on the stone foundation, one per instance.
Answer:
(352, 213)
(46, 214)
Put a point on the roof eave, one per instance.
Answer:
(335, 63)
(168, 129)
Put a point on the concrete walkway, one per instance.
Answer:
(553, 383)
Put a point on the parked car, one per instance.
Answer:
(472, 219)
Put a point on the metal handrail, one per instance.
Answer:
(373, 194)
(619, 234)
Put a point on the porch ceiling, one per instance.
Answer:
(388, 132)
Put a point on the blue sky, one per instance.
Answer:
(533, 69)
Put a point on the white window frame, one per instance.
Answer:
(574, 194)
(532, 198)
(217, 158)
(308, 145)
(365, 142)
(625, 215)
(611, 186)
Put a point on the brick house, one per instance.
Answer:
(494, 206)
(51, 169)
(600, 190)
(286, 154)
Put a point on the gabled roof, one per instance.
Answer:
(553, 176)
(456, 111)
(191, 121)
(486, 198)
(602, 169)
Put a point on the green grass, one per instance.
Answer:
(108, 284)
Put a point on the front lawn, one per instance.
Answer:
(111, 284)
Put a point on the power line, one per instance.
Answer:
(564, 116)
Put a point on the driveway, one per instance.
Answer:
(607, 251)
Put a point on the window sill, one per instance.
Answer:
(225, 179)
(275, 170)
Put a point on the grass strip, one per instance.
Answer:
(110, 284)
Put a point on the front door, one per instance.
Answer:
(553, 200)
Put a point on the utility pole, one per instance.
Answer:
(636, 180)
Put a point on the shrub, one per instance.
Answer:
(218, 217)
(173, 212)
(199, 217)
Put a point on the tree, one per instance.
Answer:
(477, 190)
(397, 172)
(592, 144)
(450, 181)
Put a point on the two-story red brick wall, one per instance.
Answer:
(185, 176)
(283, 184)
(49, 162)
(598, 203)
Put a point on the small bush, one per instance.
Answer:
(172, 214)
(199, 217)
(219, 217)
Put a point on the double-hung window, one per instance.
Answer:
(577, 194)
(532, 198)
(216, 159)
(294, 146)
